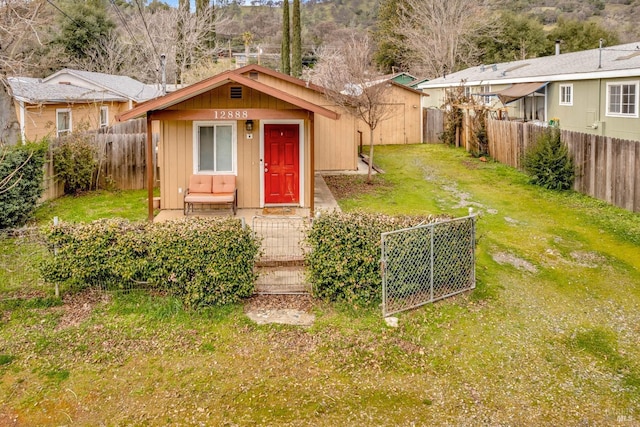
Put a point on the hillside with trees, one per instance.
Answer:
(424, 37)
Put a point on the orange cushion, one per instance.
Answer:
(209, 197)
(223, 183)
(200, 184)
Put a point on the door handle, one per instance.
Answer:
(266, 170)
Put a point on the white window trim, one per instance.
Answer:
(64, 110)
(105, 124)
(570, 102)
(234, 148)
(301, 170)
(637, 100)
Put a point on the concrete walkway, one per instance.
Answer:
(323, 198)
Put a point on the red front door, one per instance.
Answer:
(281, 163)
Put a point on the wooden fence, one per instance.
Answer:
(606, 168)
(433, 125)
(121, 157)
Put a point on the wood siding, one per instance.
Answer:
(40, 120)
(175, 156)
(335, 141)
(176, 146)
(402, 124)
(606, 168)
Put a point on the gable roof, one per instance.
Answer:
(34, 91)
(281, 76)
(610, 62)
(123, 86)
(223, 78)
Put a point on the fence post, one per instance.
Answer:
(55, 253)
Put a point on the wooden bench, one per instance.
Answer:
(211, 189)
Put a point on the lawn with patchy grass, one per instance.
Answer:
(93, 205)
(549, 337)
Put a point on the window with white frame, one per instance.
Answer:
(486, 99)
(104, 117)
(63, 121)
(622, 99)
(215, 145)
(566, 94)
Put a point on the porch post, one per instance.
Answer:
(312, 161)
(150, 166)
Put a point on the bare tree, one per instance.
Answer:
(440, 34)
(20, 21)
(194, 36)
(351, 81)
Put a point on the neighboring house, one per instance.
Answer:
(271, 130)
(594, 91)
(403, 78)
(72, 99)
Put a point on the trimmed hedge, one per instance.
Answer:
(344, 257)
(206, 261)
(20, 182)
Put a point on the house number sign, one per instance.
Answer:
(230, 114)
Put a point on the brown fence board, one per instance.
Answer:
(121, 155)
(433, 120)
(607, 168)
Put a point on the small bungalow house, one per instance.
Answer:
(594, 91)
(272, 131)
(73, 99)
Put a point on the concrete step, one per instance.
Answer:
(282, 280)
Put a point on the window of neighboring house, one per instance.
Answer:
(622, 99)
(486, 99)
(214, 147)
(104, 117)
(566, 94)
(63, 121)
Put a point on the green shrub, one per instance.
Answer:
(204, 261)
(344, 257)
(75, 164)
(548, 162)
(20, 182)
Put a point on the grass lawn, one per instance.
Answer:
(549, 337)
(129, 204)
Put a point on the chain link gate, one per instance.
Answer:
(281, 265)
(427, 263)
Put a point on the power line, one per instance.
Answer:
(146, 27)
(63, 12)
(124, 22)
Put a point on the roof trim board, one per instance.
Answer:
(188, 92)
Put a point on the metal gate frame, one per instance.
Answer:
(281, 265)
(427, 263)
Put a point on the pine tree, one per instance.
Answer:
(285, 60)
(296, 42)
(181, 55)
(206, 11)
(390, 44)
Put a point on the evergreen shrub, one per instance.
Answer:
(549, 164)
(75, 164)
(206, 261)
(21, 174)
(344, 257)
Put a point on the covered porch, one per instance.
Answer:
(323, 201)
